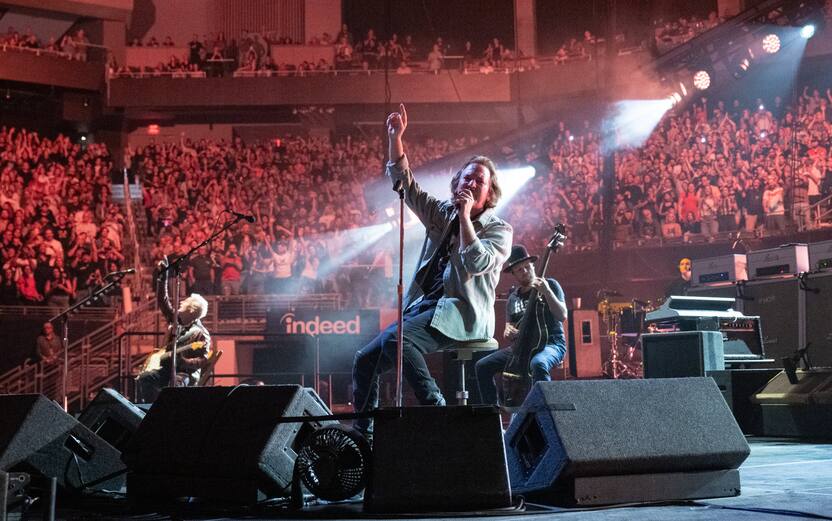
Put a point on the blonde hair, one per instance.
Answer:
(196, 304)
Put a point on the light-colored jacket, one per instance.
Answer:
(466, 309)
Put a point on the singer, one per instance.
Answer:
(452, 295)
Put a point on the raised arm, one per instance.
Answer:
(162, 297)
(396, 125)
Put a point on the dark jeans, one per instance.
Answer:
(492, 365)
(151, 383)
(380, 355)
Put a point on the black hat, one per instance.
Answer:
(518, 255)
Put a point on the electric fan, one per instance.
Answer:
(333, 463)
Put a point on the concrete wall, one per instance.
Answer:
(179, 19)
(322, 16)
(139, 136)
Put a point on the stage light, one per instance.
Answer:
(701, 80)
(702, 139)
(512, 180)
(630, 122)
(571, 138)
(771, 43)
(808, 31)
(743, 65)
(762, 107)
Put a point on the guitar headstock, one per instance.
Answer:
(558, 238)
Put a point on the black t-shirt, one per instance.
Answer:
(202, 266)
(518, 302)
(679, 286)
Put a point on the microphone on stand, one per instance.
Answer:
(120, 273)
(245, 217)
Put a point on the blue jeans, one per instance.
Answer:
(492, 365)
(379, 356)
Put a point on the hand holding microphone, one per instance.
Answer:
(464, 201)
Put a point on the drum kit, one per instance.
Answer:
(622, 322)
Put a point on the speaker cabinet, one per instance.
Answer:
(818, 296)
(608, 441)
(438, 459)
(220, 443)
(112, 417)
(681, 354)
(36, 434)
(585, 344)
(780, 304)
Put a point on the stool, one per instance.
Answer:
(463, 351)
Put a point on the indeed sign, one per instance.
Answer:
(315, 325)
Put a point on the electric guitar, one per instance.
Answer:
(159, 356)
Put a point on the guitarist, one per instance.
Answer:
(190, 361)
(521, 265)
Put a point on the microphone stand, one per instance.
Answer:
(174, 267)
(64, 318)
(400, 291)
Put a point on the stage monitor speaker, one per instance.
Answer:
(682, 354)
(36, 434)
(802, 410)
(220, 443)
(112, 417)
(614, 441)
(585, 344)
(738, 386)
(438, 459)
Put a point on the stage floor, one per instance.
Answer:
(781, 479)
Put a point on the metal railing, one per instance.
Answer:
(452, 63)
(821, 210)
(247, 313)
(93, 360)
(107, 356)
(134, 250)
(45, 312)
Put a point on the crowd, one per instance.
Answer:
(215, 55)
(59, 232)
(704, 171)
(72, 46)
(307, 195)
(708, 170)
(670, 33)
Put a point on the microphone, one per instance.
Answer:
(120, 273)
(245, 217)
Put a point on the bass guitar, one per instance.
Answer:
(516, 379)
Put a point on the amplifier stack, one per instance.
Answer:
(789, 288)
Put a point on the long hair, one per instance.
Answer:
(494, 192)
